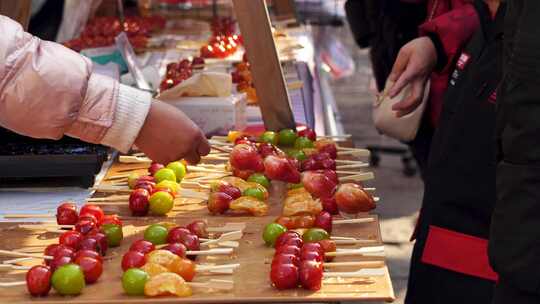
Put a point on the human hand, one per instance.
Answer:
(413, 65)
(169, 135)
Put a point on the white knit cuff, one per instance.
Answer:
(132, 108)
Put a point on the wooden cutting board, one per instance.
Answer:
(252, 284)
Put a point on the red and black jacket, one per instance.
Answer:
(450, 262)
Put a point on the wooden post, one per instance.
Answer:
(17, 10)
(252, 16)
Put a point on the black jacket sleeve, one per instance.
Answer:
(514, 247)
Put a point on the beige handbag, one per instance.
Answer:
(403, 128)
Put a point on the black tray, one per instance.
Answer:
(25, 159)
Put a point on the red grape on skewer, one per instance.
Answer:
(324, 221)
(309, 133)
(329, 204)
(318, 184)
(154, 167)
(246, 157)
(133, 259)
(142, 246)
(280, 168)
(219, 202)
(66, 214)
(199, 228)
(88, 253)
(285, 276)
(71, 239)
(311, 275)
(92, 268)
(38, 280)
(94, 210)
(177, 248)
(139, 202)
(351, 199)
(285, 258)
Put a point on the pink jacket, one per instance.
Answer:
(48, 91)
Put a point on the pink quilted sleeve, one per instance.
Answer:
(47, 90)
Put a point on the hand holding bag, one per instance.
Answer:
(401, 128)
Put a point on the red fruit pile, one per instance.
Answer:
(296, 263)
(224, 42)
(247, 157)
(220, 199)
(179, 241)
(318, 177)
(177, 72)
(85, 246)
(143, 188)
(225, 196)
(241, 76)
(322, 220)
(318, 161)
(101, 31)
(352, 198)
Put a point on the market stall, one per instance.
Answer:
(239, 213)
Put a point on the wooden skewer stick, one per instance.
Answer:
(219, 142)
(29, 215)
(363, 251)
(195, 184)
(228, 227)
(216, 267)
(354, 221)
(347, 172)
(202, 169)
(29, 250)
(353, 166)
(119, 176)
(107, 199)
(342, 238)
(334, 136)
(24, 255)
(229, 236)
(357, 152)
(44, 226)
(220, 149)
(354, 242)
(216, 251)
(359, 177)
(214, 284)
(368, 272)
(347, 161)
(212, 157)
(12, 284)
(363, 264)
(127, 159)
(229, 244)
(17, 260)
(9, 267)
(184, 193)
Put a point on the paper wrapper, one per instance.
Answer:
(209, 84)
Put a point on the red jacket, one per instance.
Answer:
(454, 22)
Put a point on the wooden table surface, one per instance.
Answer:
(252, 284)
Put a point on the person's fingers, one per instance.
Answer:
(204, 147)
(411, 102)
(192, 158)
(406, 77)
(399, 65)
